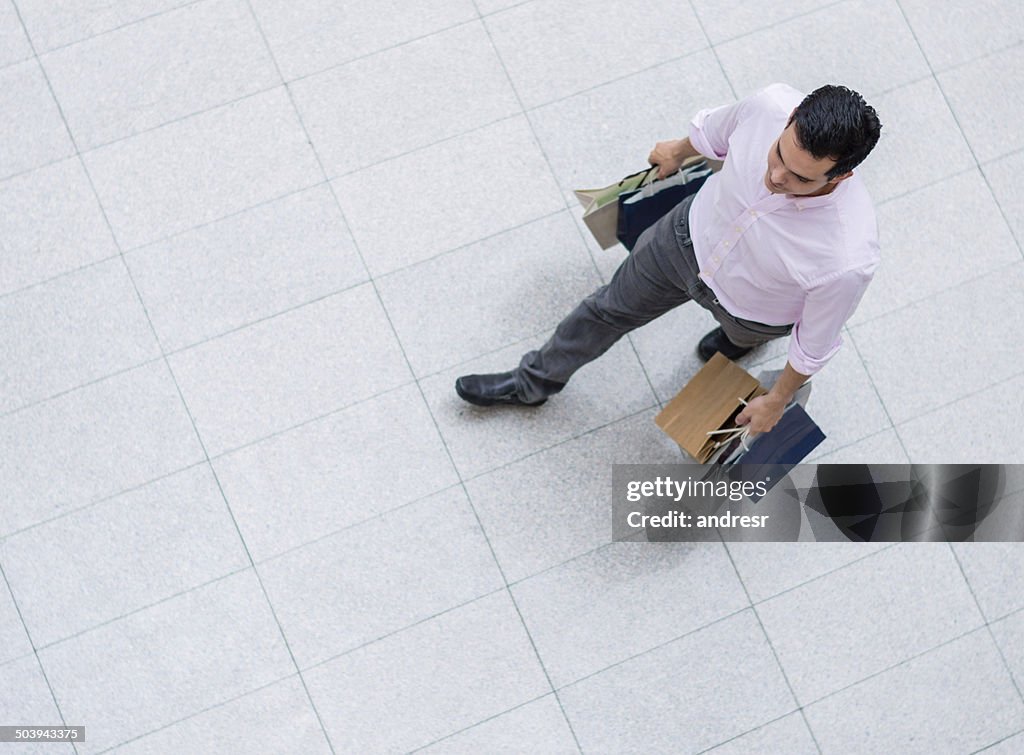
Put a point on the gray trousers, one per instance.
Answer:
(659, 275)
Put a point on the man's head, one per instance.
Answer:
(827, 136)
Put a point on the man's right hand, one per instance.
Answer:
(669, 156)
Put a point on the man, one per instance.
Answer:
(781, 241)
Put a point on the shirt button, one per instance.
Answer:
(715, 260)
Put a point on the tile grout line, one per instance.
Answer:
(484, 720)
(988, 624)
(771, 645)
(959, 126)
(751, 731)
(35, 651)
(878, 395)
(198, 713)
(714, 49)
(81, 386)
(997, 742)
(927, 298)
(105, 32)
(143, 608)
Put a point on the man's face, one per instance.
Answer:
(793, 170)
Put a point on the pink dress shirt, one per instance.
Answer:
(777, 258)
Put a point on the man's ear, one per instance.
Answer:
(843, 177)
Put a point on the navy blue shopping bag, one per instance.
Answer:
(641, 208)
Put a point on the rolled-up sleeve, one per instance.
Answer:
(711, 128)
(817, 334)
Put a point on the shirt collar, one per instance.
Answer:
(803, 203)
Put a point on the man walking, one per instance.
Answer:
(782, 241)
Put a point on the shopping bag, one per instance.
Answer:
(771, 455)
(702, 416)
(645, 205)
(601, 207)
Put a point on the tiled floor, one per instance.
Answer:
(247, 245)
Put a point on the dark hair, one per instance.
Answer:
(835, 122)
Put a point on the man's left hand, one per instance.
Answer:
(762, 413)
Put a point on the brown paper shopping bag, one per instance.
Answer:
(707, 404)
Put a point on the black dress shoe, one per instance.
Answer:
(489, 390)
(716, 340)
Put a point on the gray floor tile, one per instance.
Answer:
(550, 507)
(14, 642)
(203, 168)
(697, 691)
(321, 33)
(479, 439)
(919, 244)
(429, 681)
(535, 727)
(770, 568)
(335, 472)
(275, 719)
(246, 267)
(489, 294)
(50, 223)
(25, 699)
(724, 20)
(131, 551)
(14, 46)
(919, 339)
(881, 448)
(957, 698)
(32, 131)
(52, 25)
(920, 142)
(428, 97)
(550, 49)
(889, 607)
(961, 432)
(887, 54)
(583, 615)
(94, 442)
(597, 137)
(995, 572)
(1009, 634)
(1003, 175)
(70, 331)
(789, 735)
(977, 93)
(399, 221)
(163, 68)
(962, 31)
(167, 662)
(380, 577)
(299, 365)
